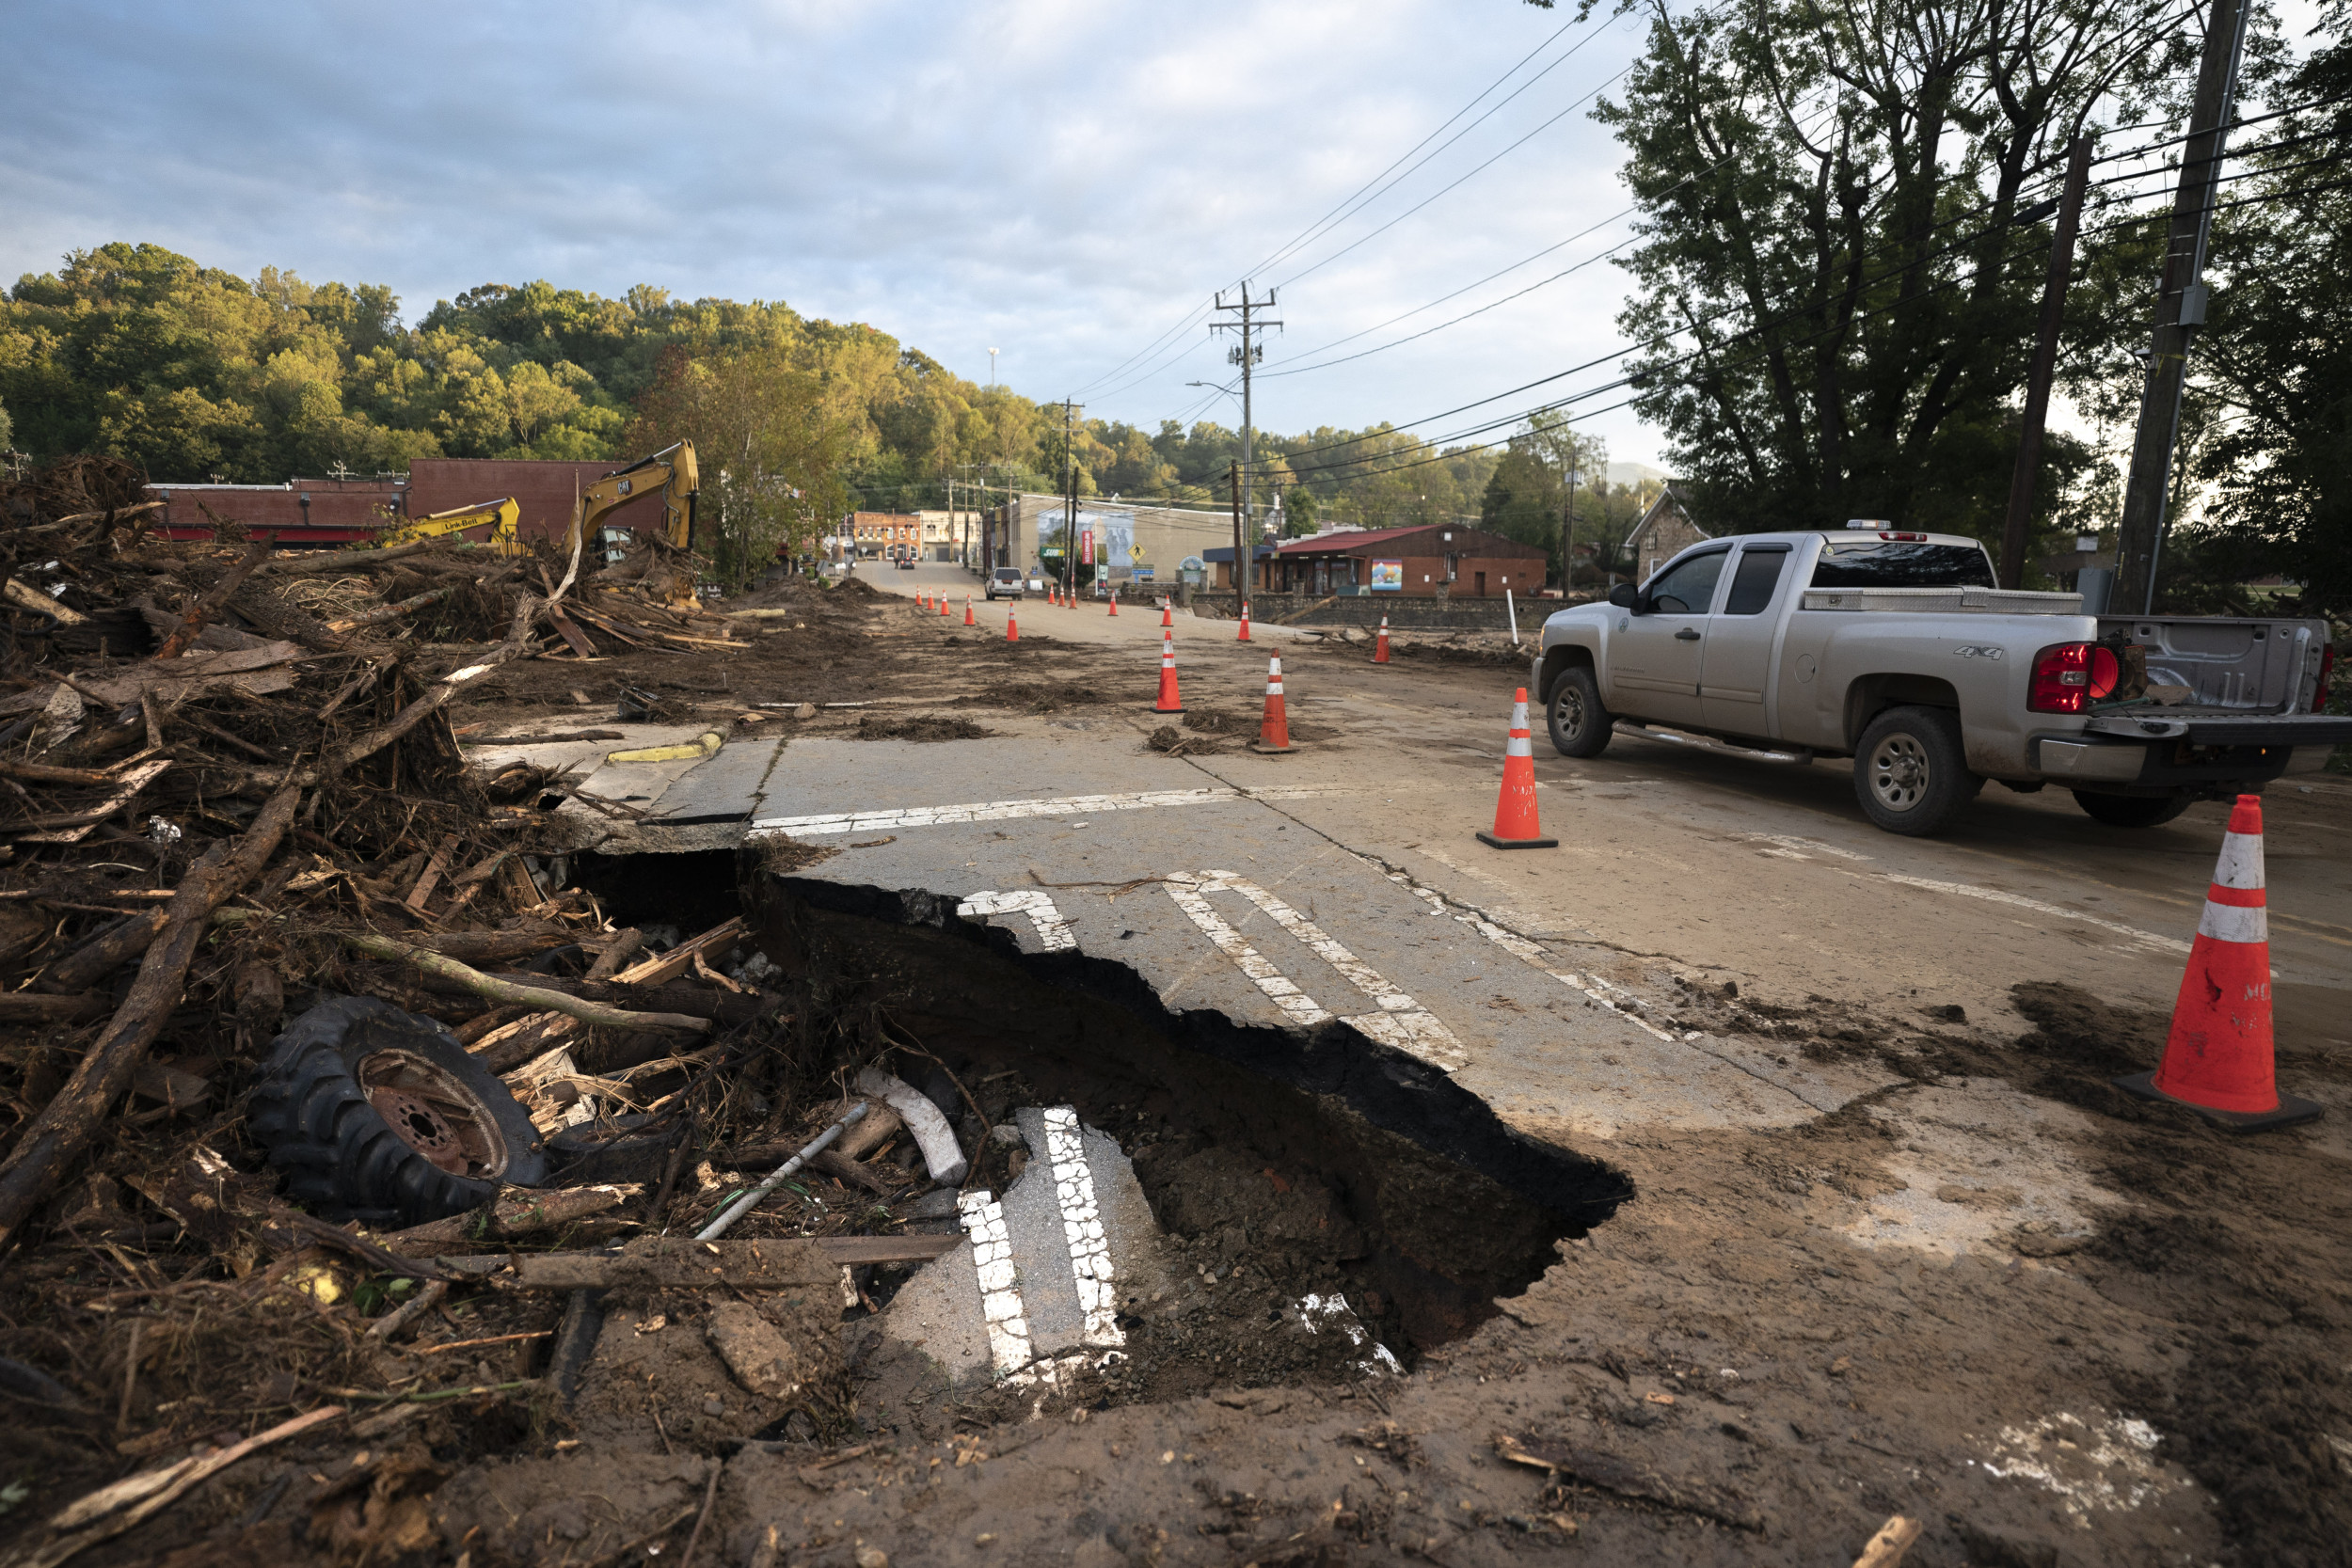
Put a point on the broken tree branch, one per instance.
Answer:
(71, 1119)
(391, 611)
(506, 991)
(208, 604)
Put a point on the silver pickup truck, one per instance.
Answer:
(1897, 649)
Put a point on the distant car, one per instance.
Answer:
(906, 563)
(1005, 582)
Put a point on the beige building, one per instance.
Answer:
(1664, 532)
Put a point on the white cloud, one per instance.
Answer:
(1063, 181)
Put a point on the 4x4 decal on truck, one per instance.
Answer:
(1973, 651)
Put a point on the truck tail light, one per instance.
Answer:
(1904, 538)
(2062, 678)
(2327, 668)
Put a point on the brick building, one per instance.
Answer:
(331, 512)
(1433, 560)
(1664, 532)
(884, 533)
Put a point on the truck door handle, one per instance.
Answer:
(1687, 633)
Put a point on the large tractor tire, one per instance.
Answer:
(378, 1115)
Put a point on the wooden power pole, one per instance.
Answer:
(2019, 528)
(2180, 311)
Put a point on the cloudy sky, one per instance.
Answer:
(1067, 182)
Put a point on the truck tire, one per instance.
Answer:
(1580, 727)
(2131, 811)
(378, 1115)
(1911, 772)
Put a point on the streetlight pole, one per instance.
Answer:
(992, 370)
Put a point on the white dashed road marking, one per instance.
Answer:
(2018, 900)
(825, 823)
(1053, 931)
(1401, 1022)
(1082, 1226)
(1000, 1292)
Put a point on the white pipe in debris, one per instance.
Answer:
(933, 1135)
(1512, 610)
(750, 1200)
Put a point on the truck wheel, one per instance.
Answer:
(1580, 727)
(2131, 811)
(1911, 772)
(376, 1114)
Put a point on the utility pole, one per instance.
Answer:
(2021, 483)
(1247, 355)
(2179, 310)
(1567, 524)
(1241, 590)
(1070, 497)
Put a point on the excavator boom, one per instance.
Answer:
(671, 469)
(501, 515)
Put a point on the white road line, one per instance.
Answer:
(1790, 848)
(1401, 1023)
(826, 823)
(983, 1219)
(1082, 1226)
(1053, 931)
(1296, 1005)
(1527, 952)
(2018, 900)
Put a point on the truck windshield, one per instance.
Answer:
(1878, 564)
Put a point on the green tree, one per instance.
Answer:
(1837, 282)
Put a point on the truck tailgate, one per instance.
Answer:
(2224, 727)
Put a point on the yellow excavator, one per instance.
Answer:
(671, 469)
(499, 515)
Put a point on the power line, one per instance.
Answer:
(1472, 174)
(1200, 311)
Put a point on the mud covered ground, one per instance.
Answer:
(1783, 1339)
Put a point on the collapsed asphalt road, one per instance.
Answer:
(1724, 1183)
(1896, 1249)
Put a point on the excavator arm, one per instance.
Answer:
(499, 515)
(671, 469)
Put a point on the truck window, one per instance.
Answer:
(1758, 573)
(1878, 564)
(1688, 587)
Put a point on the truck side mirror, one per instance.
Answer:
(1626, 596)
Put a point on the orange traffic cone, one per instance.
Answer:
(967, 611)
(1380, 648)
(922, 601)
(1167, 612)
(1114, 601)
(2217, 1060)
(1516, 827)
(942, 607)
(1244, 623)
(1012, 626)
(1170, 702)
(1274, 730)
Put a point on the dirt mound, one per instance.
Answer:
(919, 726)
(1043, 697)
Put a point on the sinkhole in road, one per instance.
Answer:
(1280, 1163)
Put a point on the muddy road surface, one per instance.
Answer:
(1709, 1190)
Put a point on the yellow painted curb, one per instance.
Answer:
(693, 750)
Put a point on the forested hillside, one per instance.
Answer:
(193, 372)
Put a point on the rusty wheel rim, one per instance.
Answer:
(432, 1112)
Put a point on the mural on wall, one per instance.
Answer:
(1387, 576)
(1106, 540)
